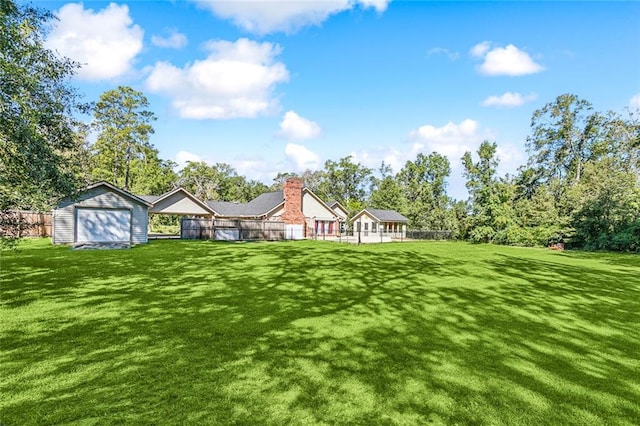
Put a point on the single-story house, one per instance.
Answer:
(106, 213)
(375, 223)
(302, 211)
(101, 213)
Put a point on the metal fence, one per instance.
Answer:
(418, 234)
(231, 230)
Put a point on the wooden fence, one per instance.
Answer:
(24, 223)
(231, 230)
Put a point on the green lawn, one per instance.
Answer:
(193, 332)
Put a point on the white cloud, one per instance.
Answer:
(105, 42)
(294, 127)
(443, 51)
(183, 157)
(451, 140)
(301, 157)
(510, 157)
(237, 79)
(175, 40)
(509, 100)
(267, 16)
(634, 102)
(507, 60)
(480, 49)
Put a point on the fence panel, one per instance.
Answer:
(26, 223)
(231, 230)
(195, 229)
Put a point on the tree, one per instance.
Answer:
(346, 182)
(218, 182)
(606, 208)
(280, 179)
(488, 196)
(564, 136)
(622, 140)
(425, 188)
(151, 175)
(124, 127)
(386, 191)
(37, 108)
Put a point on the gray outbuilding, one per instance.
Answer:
(102, 213)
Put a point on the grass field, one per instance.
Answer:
(190, 332)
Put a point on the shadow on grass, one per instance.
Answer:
(312, 332)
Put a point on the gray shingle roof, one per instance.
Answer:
(149, 198)
(387, 215)
(256, 207)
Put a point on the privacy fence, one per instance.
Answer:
(25, 223)
(231, 230)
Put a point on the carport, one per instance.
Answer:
(179, 202)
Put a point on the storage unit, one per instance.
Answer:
(102, 213)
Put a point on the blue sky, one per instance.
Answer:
(274, 87)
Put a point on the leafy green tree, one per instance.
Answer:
(425, 189)
(313, 180)
(606, 213)
(37, 108)
(461, 223)
(37, 124)
(565, 134)
(622, 140)
(488, 196)
(218, 182)
(386, 192)
(280, 179)
(151, 175)
(253, 188)
(124, 124)
(346, 182)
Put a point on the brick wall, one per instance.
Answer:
(293, 202)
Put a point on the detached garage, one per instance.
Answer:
(102, 213)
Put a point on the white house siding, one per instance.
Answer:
(64, 216)
(365, 221)
(341, 213)
(276, 215)
(312, 208)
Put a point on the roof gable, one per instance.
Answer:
(335, 205)
(324, 206)
(382, 215)
(119, 191)
(158, 201)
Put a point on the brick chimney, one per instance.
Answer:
(292, 191)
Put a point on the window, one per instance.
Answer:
(373, 227)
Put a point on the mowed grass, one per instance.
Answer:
(194, 332)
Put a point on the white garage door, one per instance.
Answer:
(103, 225)
(294, 232)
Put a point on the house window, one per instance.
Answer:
(366, 226)
(373, 227)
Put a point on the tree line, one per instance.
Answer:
(580, 185)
